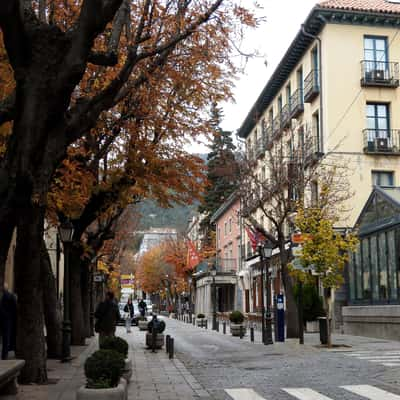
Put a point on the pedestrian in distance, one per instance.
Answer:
(8, 318)
(130, 313)
(142, 307)
(107, 316)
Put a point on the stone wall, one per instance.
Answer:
(372, 321)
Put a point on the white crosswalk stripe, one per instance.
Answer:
(363, 391)
(371, 392)
(387, 358)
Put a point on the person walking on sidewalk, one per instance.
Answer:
(8, 318)
(130, 310)
(107, 316)
(142, 307)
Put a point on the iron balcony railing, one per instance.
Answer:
(276, 125)
(379, 73)
(285, 116)
(260, 147)
(312, 149)
(226, 265)
(296, 103)
(311, 86)
(378, 141)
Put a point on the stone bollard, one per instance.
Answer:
(206, 325)
(217, 326)
(252, 334)
(194, 321)
(171, 348)
(167, 339)
(224, 327)
(241, 332)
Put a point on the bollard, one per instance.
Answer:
(194, 321)
(153, 338)
(241, 332)
(171, 348)
(224, 327)
(206, 325)
(217, 326)
(252, 334)
(167, 338)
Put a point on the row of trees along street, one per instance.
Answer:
(98, 99)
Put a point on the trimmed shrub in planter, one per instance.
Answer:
(115, 343)
(200, 316)
(237, 327)
(160, 326)
(103, 369)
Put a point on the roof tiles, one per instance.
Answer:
(379, 6)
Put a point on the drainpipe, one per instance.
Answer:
(321, 106)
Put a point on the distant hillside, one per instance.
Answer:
(154, 216)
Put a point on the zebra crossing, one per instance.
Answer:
(387, 358)
(363, 391)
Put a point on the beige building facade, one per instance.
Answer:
(335, 95)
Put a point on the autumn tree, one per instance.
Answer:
(61, 47)
(325, 252)
(273, 186)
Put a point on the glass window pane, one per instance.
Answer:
(383, 278)
(380, 57)
(369, 56)
(368, 43)
(380, 44)
(358, 266)
(371, 125)
(366, 270)
(392, 264)
(382, 110)
(374, 268)
(370, 110)
(383, 124)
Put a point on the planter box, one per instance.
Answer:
(312, 326)
(159, 340)
(118, 393)
(127, 370)
(201, 322)
(236, 328)
(142, 325)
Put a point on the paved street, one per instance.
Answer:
(358, 369)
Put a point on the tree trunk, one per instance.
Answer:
(30, 336)
(51, 305)
(77, 323)
(86, 292)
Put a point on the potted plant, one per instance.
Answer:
(237, 326)
(201, 320)
(121, 346)
(142, 323)
(103, 371)
(160, 328)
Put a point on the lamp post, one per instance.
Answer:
(213, 272)
(265, 253)
(190, 298)
(66, 232)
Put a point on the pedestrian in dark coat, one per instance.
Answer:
(142, 307)
(130, 313)
(107, 316)
(8, 318)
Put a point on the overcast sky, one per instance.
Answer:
(272, 38)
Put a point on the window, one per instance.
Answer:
(230, 225)
(271, 116)
(375, 51)
(226, 228)
(288, 94)
(382, 178)
(300, 79)
(315, 132)
(314, 194)
(377, 121)
(280, 104)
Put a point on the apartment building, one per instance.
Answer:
(336, 93)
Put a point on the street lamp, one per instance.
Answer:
(190, 298)
(66, 233)
(213, 272)
(265, 253)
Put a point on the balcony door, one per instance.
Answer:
(376, 57)
(378, 125)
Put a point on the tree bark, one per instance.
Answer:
(51, 305)
(86, 292)
(77, 321)
(30, 344)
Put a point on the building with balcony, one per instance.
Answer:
(336, 94)
(228, 295)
